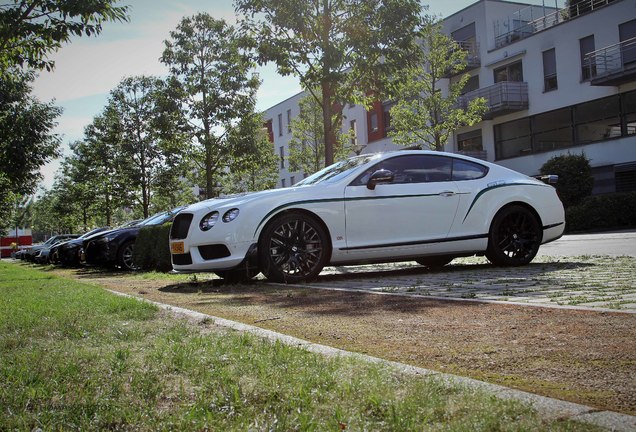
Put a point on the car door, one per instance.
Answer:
(415, 209)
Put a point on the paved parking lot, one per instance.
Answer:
(601, 282)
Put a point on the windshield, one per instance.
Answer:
(338, 170)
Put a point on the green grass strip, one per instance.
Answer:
(75, 357)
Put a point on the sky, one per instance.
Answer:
(88, 68)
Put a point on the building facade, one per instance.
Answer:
(557, 81)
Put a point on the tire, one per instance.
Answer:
(435, 262)
(293, 248)
(237, 275)
(514, 238)
(125, 256)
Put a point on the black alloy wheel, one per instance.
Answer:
(515, 237)
(125, 256)
(293, 248)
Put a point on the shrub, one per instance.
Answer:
(575, 177)
(602, 212)
(152, 248)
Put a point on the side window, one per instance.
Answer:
(465, 170)
(411, 169)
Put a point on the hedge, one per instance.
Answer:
(599, 212)
(152, 248)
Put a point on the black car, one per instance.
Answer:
(115, 247)
(30, 253)
(67, 253)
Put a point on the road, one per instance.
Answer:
(615, 243)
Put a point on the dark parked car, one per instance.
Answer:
(30, 253)
(115, 247)
(67, 253)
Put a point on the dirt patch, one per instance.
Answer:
(581, 356)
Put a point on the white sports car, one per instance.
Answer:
(407, 205)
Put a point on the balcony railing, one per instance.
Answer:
(502, 98)
(612, 65)
(524, 23)
(473, 59)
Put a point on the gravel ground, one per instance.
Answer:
(587, 356)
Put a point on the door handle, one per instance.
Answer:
(447, 193)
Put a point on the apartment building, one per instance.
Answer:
(557, 80)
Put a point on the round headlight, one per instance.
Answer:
(209, 220)
(230, 215)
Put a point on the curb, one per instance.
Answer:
(550, 408)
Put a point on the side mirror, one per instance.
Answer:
(382, 176)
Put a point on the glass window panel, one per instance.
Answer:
(466, 170)
(552, 120)
(588, 68)
(470, 141)
(629, 109)
(598, 120)
(513, 139)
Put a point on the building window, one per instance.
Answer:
(625, 177)
(281, 152)
(282, 183)
(292, 180)
(470, 141)
(289, 121)
(585, 123)
(374, 121)
(509, 72)
(588, 64)
(629, 113)
(549, 70)
(353, 132)
(552, 130)
(598, 120)
(471, 85)
(513, 139)
(386, 114)
(627, 31)
(280, 125)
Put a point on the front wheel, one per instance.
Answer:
(293, 248)
(515, 237)
(125, 256)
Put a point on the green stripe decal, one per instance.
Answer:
(490, 188)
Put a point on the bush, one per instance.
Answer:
(575, 177)
(152, 248)
(602, 212)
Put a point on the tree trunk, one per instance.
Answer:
(327, 121)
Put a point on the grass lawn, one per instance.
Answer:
(73, 356)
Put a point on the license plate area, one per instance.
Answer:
(177, 248)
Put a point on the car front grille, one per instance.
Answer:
(182, 259)
(214, 251)
(180, 226)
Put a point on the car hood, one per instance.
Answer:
(245, 198)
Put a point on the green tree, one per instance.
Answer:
(218, 89)
(575, 177)
(254, 170)
(424, 114)
(97, 156)
(27, 141)
(32, 29)
(307, 145)
(147, 145)
(341, 50)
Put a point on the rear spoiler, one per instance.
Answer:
(550, 179)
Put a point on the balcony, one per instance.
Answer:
(613, 65)
(502, 98)
(532, 19)
(473, 60)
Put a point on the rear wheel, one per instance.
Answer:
(293, 248)
(515, 237)
(435, 262)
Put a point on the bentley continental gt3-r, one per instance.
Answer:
(430, 207)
